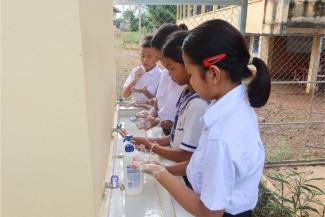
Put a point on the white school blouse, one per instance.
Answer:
(150, 79)
(226, 168)
(186, 131)
(167, 95)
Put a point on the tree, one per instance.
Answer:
(132, 22)
(160, 14)
(152, 17)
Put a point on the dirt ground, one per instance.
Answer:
(288, 103)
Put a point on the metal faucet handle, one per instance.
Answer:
(114, 184)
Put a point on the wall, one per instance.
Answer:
(255, 13)
(97, 36)
(57, 103)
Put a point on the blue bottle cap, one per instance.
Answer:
(129, 148)
(128, 138)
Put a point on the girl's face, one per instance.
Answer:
(148, 58)
(177, 71)
(206, 88)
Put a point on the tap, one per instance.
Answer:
(114, 184)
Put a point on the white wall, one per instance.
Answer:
(57, 103)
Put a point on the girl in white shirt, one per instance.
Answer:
(226, 168)
(185, 133)
(164, 111)
(143, 81)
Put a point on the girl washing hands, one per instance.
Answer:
(226, 168)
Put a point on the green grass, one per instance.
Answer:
(280, 153)
(131, 37)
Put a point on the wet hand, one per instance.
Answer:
(153, 168)
(123, 132)
(138, 74)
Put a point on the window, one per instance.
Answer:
(208, 8)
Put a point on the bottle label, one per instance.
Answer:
(133, 176)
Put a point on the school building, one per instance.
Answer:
(288, 35)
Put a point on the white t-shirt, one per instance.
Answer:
(150, 79)
(186, 131)
(167, 95)
(226, 168)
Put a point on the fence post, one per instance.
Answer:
(140, 18)
(265, 44)
(313, 64)
(243, 16)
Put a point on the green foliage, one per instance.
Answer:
(152, 17)
(131, 37)
(296, 196)
(160, 14)
(282, 152)
(131, 20)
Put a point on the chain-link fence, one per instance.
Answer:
(293, 121)
(133, 22)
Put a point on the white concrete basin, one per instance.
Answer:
(155, 201)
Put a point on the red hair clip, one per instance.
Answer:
(212, 60)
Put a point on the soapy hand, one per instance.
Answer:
(145, 120)
(123, 132)
(153, 168)
(143, 105)
(138, 74)
(138, 141)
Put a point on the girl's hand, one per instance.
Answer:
(153, 101)
(152, 122)
(153, 168)
(143, 141)
(143, 105)
(138, 74)
(149, 120)
(123, 132)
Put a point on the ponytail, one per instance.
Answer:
(260, 87)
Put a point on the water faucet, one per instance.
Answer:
(118, 126)
(114, 184)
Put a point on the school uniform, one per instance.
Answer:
(186, 132)
(168, 93)
(226, 168)
(150, 80)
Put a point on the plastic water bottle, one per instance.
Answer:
(133, 178)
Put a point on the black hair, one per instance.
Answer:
(163, 32)
(173, 46)
(146, 41)
(216, 37)
(183, 26)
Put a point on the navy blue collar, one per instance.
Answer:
(185, 98)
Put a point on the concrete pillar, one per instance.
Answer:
(194, 10)
(250, 44)
(314, 63)
(189, 11)
(202, 9)
(184, 12)
(58, 104)
(264, 48)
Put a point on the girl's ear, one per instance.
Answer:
(213, 75)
